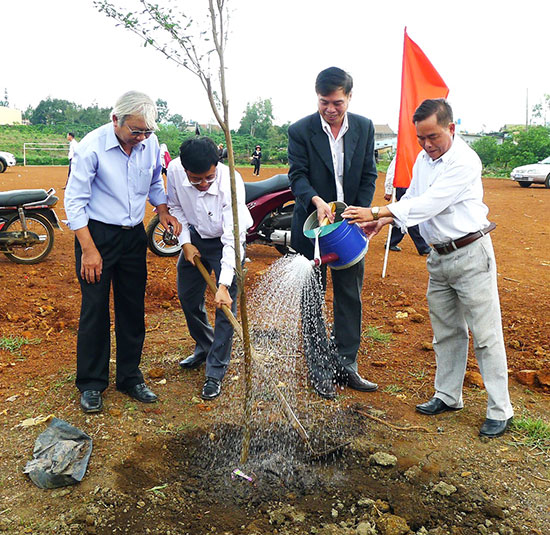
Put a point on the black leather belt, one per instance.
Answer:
(465, 240)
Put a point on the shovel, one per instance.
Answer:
(287, 409)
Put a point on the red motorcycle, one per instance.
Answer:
(270, 203)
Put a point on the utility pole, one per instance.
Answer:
(527, 108)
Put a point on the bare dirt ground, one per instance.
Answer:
(166, 468)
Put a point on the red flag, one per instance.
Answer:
(419, 81)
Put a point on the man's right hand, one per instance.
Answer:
(189, 252)
(323, 210)
(91, 265)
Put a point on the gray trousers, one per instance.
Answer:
(212, 344)
(463, 294)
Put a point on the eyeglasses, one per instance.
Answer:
(136, 133)
(208, 180)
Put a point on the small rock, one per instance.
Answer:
(473, 379)
(398, 329)
(526, 377)
(379, 363)
(444, 489)
(392, 525)
(156, 373)
(383, 459)
(365, 502)
(427, 346)
(543, 377)
(365, 528)
(334, 513)
(382, 506)
(417, 318)
(412, 473)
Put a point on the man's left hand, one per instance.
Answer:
(168, 220)
(222, 297)
(372, 228)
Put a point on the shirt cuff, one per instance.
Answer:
(185, 235)
(79, 222)
(226, 276)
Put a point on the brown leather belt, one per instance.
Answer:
(465, 240)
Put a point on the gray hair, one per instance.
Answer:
(136, 103)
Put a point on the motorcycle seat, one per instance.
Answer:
(18, 197)
(262, 187)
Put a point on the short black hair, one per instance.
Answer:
(199, 154)
(331, 80)
(439, 106)
(70, 134)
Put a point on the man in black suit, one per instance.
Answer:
(331, 157)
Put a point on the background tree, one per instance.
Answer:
(542, 110)
(257, 119)
(162, 109)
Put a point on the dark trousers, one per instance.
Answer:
(212, 344)
(326, 358)
(124, 265)
(397, 235)
(257, 167)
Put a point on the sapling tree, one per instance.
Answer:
(198, 46)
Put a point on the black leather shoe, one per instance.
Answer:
(192, 362)
(395, 248)
(212, 388)
(435, 406)
(91, 401)
(494, 428)
(142, 393)
(325, 389)
(355, 381)
(425, 253)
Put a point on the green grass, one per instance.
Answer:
(13, 344)
(376, 335)
(393, 389)
(533, 433)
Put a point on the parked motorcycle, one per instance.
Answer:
(27, 221)
(270, 203)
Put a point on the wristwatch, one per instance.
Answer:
(375, 210)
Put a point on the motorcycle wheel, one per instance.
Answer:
(155, 239)
(32, 254)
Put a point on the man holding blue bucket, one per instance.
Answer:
(331, 158)
(445, 199)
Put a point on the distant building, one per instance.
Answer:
(383, 131)
(10, 116)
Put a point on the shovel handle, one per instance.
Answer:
(212, 285)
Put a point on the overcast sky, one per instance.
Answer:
(491, 53)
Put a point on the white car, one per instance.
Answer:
(7, 159)
(535, 173)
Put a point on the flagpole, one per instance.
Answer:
(387, 252)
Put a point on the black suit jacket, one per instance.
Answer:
(312, 172)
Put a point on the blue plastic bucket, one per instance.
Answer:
(349, 242)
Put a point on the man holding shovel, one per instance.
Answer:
(331, 157)
(199, 196)
(445, 199)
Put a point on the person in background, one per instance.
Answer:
(445, 198)
(199, 195)
(114, 171)
(73, 143)
(331, 158)
(256, 160)
(165, 157)
(222, 152)
(396, 235)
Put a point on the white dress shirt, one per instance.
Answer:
(72, 146)
(445, 197)
(390, 174)
(337, 150)
(209, 212)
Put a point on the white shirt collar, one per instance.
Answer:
(343, 128)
